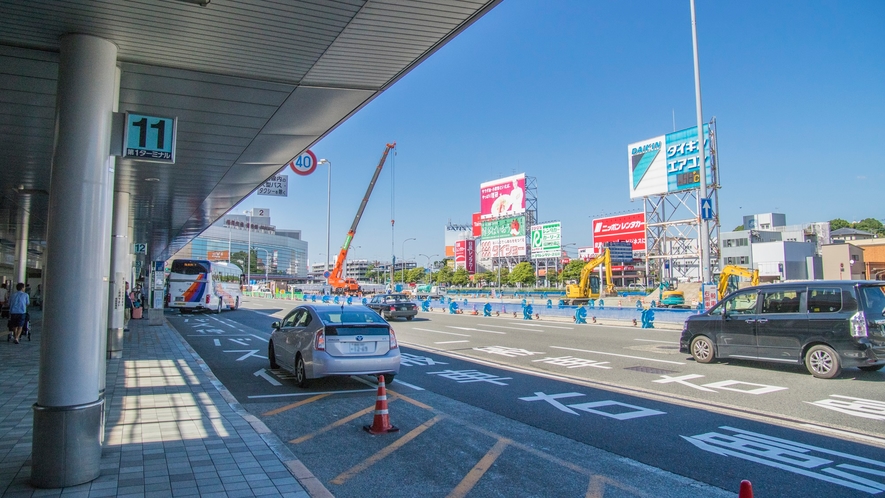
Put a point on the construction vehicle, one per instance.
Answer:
(349, 285)
(588, 287)
(728, 285)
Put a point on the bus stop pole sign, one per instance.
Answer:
(150, 138)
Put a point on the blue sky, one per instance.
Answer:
(557, 90)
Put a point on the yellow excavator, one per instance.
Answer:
(725, 282)
(588, 287)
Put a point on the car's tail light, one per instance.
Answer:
(319, 342)
(392, 308)
(207, 298)
(393, 344)
(859, 325)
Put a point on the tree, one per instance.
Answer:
(737, 228)
(523, 274)
(871, 225)
(552, 276)
(444, 275)
(415, 275)
(572, 271)
(839, 223)
(239, 258)
(461, 277)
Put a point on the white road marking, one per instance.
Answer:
(223, 322)
(441, 332)
(449, 342)
(476, 330)
(509, 327)
(241, 343)
(619, 355)
(548, 326)
(217, 342)
(249, 352)
(655, 340)
(397, 381)
(310, 394)
(259, 337)
(264, 375)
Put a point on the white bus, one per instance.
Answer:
(199, 284)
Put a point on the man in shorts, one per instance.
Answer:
(18, 306)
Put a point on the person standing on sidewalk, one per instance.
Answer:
(127, 313)
(4, 300)
(18, 308)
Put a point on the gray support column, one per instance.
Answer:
(120, 271)
(21, 240)
(68, 422)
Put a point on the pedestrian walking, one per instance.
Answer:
(127, 313)
(18, 309)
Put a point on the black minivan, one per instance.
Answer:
(825, 324)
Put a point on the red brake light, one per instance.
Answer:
(392, 308)
(393, 344)
(207, 298)
(319, 342)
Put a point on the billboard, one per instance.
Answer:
(511, 246)
(455, 232)
(470, 256)
(503, 227)
(477, 225)
(218, 255)
(668, 163)
(620, 252)
(547, 240)
(277, 185)
(621, 228)
(502, 197)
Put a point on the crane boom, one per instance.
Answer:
(335, 279)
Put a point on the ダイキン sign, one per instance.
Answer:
(277, 185)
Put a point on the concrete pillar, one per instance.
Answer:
(68, 422)
(120, 270)
(20, 270)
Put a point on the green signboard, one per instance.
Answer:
(503, 228)
(547, 240)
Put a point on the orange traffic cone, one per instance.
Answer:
(746, 490)
(381, 422)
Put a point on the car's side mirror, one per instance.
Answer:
(275, 325)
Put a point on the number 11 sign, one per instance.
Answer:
(150, 138)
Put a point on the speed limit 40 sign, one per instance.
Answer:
(304, 164)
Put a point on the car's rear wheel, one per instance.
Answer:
(388, 379)
(872, 368)
(300, 372)
(822, 362)
(409, 318)
(702, 349)
(271, 356)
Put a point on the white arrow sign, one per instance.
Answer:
(249, 352)
(266, 376)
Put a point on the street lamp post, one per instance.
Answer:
(249, 252)
(428, 264)
(328, 207)
(403, 254)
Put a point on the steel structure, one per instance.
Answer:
(673, 229)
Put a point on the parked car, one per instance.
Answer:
(825, 325)
(393, 306)
(315, 341)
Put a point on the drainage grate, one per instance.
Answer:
(651, 370)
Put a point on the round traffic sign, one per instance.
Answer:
(304, 164)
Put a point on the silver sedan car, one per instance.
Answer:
(315, 341)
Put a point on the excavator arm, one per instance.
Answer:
(738, 271)
(582, 290)
(335, 279)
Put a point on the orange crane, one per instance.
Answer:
(344, 285)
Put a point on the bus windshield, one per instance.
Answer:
(185, 267)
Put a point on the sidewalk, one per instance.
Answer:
(171, 428)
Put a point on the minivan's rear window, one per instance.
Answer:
(824, 300)
(873, 300)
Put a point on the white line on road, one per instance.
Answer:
(654, 340)
(449, 342)
(397, 381)
(264, 375)
(223, 322)
(441, 332)
(310, 394)
(618, 355)
(548, 326)
(217, 342)
(508, 327)
(477, 330)
(259, 337)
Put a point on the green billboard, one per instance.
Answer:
(503, 228)
(547, 240)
